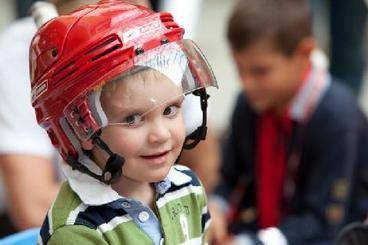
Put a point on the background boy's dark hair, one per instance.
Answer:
(284, 23)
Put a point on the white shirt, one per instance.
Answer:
(19, 132)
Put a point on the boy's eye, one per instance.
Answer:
(133, 120)
(171, 111)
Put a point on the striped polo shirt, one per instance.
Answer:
(180, 215)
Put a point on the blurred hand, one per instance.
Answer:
(218, 228)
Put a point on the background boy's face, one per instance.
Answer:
(268, 77)
(149, 142)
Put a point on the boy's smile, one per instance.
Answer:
(157, 158)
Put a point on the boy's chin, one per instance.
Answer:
(155, 176)
(260, 107)
(157, 179)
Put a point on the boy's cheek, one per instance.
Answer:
(178, 128)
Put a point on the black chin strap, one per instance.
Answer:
(113, 167)
(201, 132)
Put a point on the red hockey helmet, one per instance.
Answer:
(71, 56)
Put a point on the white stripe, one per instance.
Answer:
(185, 191)
(208, 222)
(49, 217)
(181, 167)
(184, 226)
(73, 214)
(177, 177)
(114, 222)
(193, 241)
(307, 98)
(204, 210)
(207, 225)
(39, 240)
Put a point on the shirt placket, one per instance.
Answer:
(145, 219)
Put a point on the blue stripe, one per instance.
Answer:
(95, 216)
(195, 180)
(205, 217)
(44, 232)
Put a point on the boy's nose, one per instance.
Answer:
(159, 132)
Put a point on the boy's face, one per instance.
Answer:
(146, 124)
(269, 78)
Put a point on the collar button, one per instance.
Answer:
(143, 216)
(126, 204)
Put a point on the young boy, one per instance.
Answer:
(108, 82)
(295, 163)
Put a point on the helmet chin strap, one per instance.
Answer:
(201, 132)
(113, 168)
(114, 165)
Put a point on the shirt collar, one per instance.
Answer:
(309, 94)
(95, 193)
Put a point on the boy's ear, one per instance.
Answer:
(306, 47)
(87, 145)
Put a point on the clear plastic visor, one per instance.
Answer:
(159, 77)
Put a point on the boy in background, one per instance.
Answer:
(295, 162)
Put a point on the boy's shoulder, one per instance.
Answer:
(339, 95)
(61, 212)
(66, 201)
(339, 107)
(338, 113)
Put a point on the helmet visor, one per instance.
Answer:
(161, 76)
(158, 77)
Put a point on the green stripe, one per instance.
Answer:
(76, 235)
(127, 233)
(65, 202)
